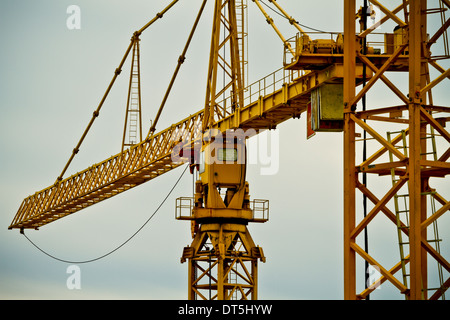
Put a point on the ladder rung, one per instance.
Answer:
(393, 132)
(434, 240)
(402, 195)
(434, 288)
(431, 152)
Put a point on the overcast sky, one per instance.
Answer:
(52, 79)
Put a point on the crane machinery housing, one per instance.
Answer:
(325, 76)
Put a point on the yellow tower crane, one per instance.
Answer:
(326, 77)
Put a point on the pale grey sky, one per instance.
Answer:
(52, 78)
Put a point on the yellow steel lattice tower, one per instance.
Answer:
(326, 79)
(413, 169)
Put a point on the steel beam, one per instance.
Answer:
(349, 149)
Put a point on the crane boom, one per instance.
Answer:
(130, 168)
(152, 157)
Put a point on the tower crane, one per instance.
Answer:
(324, 76)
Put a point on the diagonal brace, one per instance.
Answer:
(436, 215)
(433, 83)
(436, 255)
(434, 123)
(378, 137)
(383, 271)
(383, 20)
(388, 13)
(378, 74)
(383, 78)
(378, 206)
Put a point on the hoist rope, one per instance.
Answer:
(121, 245)
(363, 100)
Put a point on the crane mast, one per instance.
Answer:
(413, 168)
(222, 258)
(326, 79)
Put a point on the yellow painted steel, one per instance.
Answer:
(404, 52)
(153, 156)
(222, 208)
(222, 245)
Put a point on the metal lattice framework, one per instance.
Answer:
(411, 169)
(153, 156)
(399, 150)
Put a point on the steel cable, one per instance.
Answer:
(121, 245)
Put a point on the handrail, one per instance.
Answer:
(264, 86)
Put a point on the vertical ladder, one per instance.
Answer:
(242, 30)
(133, 124)
(437, 244)
(401, 202)
(436, 240)
(401, 210)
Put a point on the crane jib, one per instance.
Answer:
(152, 157)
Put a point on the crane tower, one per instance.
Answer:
(325, 76)
(223, 258)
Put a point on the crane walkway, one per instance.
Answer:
(269, 102)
